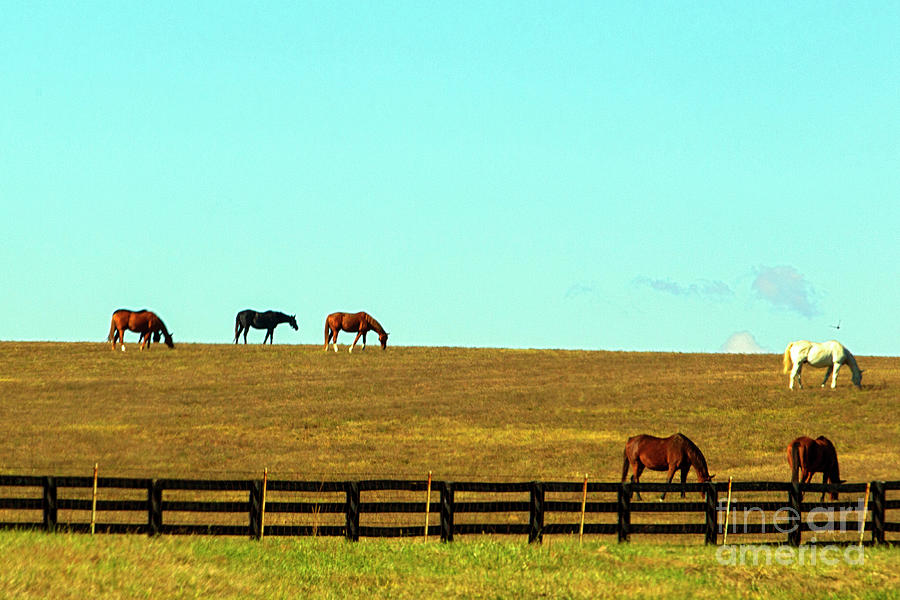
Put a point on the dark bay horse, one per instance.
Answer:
(359, 322)
(143, 322)
(674, 453)
(807, 456)
(261, 320)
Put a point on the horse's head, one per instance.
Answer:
(292, 321)
(382, 337)
(704, 479)
(169, 341)
(857, 378)
(834, 495)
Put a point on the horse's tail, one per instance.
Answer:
(237, 324)
(794, 459)
(625, 464)
(112, 329)
(327, 332)
(787, 363)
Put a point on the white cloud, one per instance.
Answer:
(580, 289)
(742, 342)
(785, 287)
(717, 290)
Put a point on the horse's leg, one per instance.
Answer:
(669, 476)
(796, 374)
(638, 469)
(837, 367)
(355, 340)
(270, 335)
(364, 340)
(122, 338)
(824, 481)
(684, 474)
(827, 374)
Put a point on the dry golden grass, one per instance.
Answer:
(485, 414)
(220, 411)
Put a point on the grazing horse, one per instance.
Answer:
(261, 320)
(142, 321)
(827, 354)
(359, 322)
(807, 456)
(671, 454)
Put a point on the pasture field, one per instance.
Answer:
(39, 566)
(489, 414)
(225, 411)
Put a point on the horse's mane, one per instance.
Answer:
(374, 324)
(851, 360)
(162, 325)
(694, 454)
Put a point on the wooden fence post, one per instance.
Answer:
(536, 513)
(865, 512)
(49, 504)
(878, 512)
(583, 505)
(427, 507)
(94, 500)
(262, 503)
(795, 534)
(255, 509)
(712, 513)
(624, 511)
(352, 531)
(154, 508)
(727, 513)
(446, 511)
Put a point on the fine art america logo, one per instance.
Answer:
(787, 520)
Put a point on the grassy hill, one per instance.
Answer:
(462, 413)
(491, 414)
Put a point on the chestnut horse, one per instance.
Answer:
(807, 456)
(671, 454)
(142, 321)
(268, 320)
(359, 322)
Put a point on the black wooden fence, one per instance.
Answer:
(153, 501)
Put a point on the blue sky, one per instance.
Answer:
(622, 176)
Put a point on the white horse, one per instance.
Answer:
(827, 354)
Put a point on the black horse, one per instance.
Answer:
(261, 320)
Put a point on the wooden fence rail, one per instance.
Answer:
(48, 495)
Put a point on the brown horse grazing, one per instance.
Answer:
(807, 456)
(359, 322)
(143, 321)
(670, 454)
